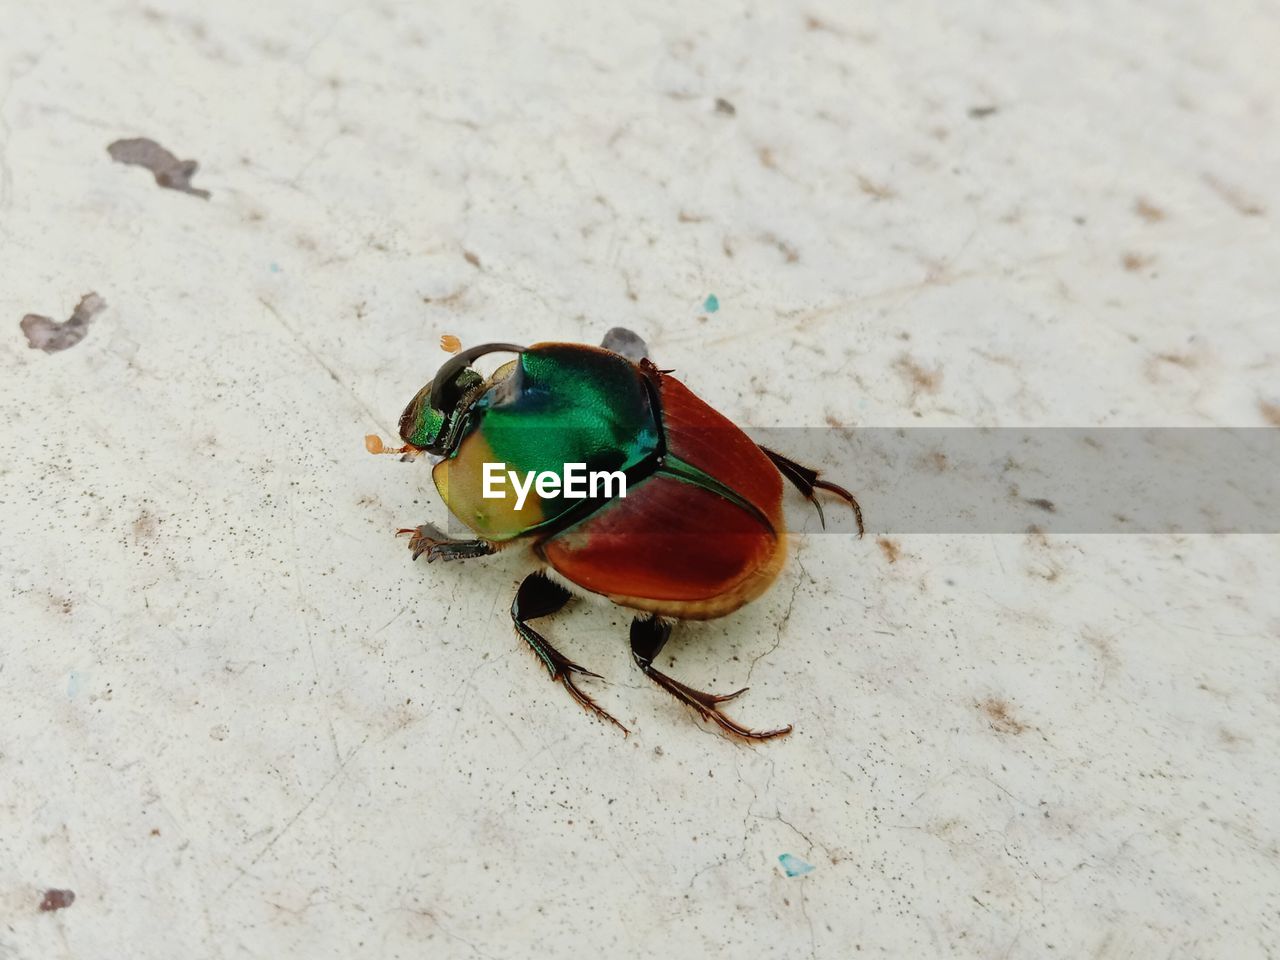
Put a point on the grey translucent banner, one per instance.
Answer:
(1006, 480)
(1054, 480)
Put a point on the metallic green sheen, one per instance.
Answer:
(421, 424)
(566, 403)
(427, 426)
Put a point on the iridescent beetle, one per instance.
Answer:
(698, 533)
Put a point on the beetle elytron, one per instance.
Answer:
(698, 534)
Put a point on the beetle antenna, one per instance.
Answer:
(373, 443)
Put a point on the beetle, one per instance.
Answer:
(698, 534)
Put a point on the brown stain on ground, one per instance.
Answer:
(996, 358)
(816, 25)
(936, 461)
(1231, 740)
(170, 172)
(890, 549)
(1036, 538)
(1157, 363)
(1222, 695)
(1270, 412)
(1133, 262)
(448, 297)
(789, 253)
(146, 526)
(877, 191)
(921, 379)
(57, 900)
(1243, 205)
(1148, 211)
(472, 259)
(50, 336)
(1105, 648)
(1048, 574)
(1043, 567)
(999, 717)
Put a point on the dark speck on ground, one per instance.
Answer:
(170, 172)
(51, 336)
(57, 900)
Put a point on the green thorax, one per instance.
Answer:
(563, 404)
(555, 404)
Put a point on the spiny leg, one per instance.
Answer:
(805, 480)
(648, 637)
(539, 596)
(435, 543)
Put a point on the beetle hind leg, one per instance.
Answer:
(540, 596)
(806, 479)
(648, 636)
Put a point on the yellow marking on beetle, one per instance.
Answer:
(460, 480)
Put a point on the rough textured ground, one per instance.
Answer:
(238, 722)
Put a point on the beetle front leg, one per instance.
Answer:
(648, 636)
(435, 543)
(540, 596)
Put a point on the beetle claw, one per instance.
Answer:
(425, 539)
(565, 676)
(726, 697)
(710, 712)
(806, 480)
(845, 495)
(707, 705)
(430, 540)
(570, 667)
(648, 636)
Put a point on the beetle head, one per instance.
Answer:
(427, 421)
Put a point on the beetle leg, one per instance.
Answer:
(805, 480)
(436, 544)
(539, 596)
(648, 636)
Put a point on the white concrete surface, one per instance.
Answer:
(238, 722)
